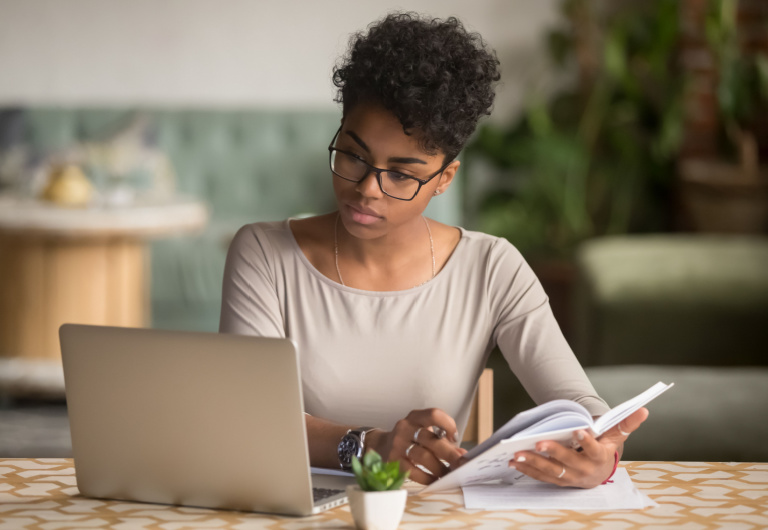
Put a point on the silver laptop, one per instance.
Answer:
(187, 418)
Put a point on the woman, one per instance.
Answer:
(395, 314)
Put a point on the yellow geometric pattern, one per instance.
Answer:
(41, 494)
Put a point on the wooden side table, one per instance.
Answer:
(82, 265)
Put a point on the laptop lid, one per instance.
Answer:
(188, 418)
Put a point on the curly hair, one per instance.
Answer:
(437, 78)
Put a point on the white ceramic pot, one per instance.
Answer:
(376, 510)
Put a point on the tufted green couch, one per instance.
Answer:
(689, 309)
(247, 164)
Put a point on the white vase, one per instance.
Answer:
(376, 510)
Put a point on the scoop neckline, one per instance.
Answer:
(354, 290)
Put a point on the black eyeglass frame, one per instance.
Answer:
(378, 171)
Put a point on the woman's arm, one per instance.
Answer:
(249, 301)
(533, 345)
(428, 450)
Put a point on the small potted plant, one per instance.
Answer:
(377, 502)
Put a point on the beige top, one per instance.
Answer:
(369, 358)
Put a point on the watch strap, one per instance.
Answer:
(358, 435)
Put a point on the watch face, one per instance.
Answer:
(348, 447)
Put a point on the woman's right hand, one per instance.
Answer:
(413, 435)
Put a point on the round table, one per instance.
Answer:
(82, 265)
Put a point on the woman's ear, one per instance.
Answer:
(446, 177)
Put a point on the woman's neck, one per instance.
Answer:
(404, 252)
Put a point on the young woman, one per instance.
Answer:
(395, 314)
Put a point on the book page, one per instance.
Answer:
(618, 413)
(527, 419)
(557, 422)
(493, 464)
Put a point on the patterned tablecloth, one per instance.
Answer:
(42, 494)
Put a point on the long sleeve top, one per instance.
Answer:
(369, 358)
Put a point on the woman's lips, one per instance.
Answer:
(362, 216)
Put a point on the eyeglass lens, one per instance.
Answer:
(392, 183)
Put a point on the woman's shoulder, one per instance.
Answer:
(308, 230)
(280, 239)
(266, 238)
(492, 248)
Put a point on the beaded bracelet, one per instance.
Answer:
(615, 466)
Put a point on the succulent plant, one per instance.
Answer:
(373, 474)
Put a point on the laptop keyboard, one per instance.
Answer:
(319, 494)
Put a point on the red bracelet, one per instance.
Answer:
(615, 466)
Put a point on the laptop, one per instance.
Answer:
(188, 418)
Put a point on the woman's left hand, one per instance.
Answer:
(588, 468)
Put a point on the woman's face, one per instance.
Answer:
(376, 135)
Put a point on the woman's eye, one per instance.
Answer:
(354, 158)
(398, 176)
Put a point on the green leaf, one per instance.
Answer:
(376, 484)
(375, 475)
(398, 483)
(357, 468)
(370, 458)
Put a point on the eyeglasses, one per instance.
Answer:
(351, 167)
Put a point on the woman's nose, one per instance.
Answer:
(368, 186)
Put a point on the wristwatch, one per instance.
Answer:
(352, 444)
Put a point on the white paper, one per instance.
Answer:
(530, 494)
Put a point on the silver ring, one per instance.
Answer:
(439, 432)
(622, 432)
(408, 451)
(416, 435)
(561, 473)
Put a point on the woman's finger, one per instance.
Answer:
(416, 474)
(419, 455)
(632, 422)
(592, 449)
(440, 447)
(625, 427)
(541, 468)
(435, 417)
(559, 452)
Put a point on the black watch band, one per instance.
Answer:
(352, 444)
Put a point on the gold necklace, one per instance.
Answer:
(336, 250)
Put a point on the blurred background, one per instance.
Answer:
(626, 157)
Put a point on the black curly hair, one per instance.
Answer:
(437, 78)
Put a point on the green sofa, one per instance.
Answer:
(688, 309)
(247, 164)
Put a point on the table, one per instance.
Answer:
(42, 494)
(83, 265)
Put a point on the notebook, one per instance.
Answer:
(188, 418)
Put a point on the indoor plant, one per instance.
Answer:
(727, 191)
(377, 501)
(598, 156)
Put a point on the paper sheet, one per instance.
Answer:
(530, 494)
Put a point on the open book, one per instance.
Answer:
(555, 420)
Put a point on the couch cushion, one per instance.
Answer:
(711, 414)
(672, 299)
